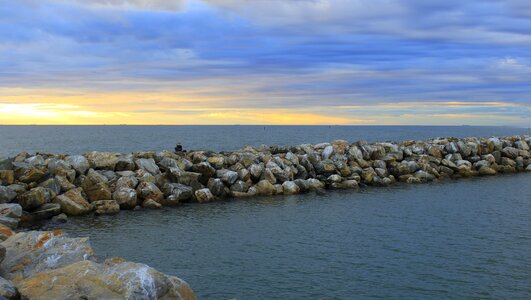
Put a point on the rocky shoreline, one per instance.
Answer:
(54, 186)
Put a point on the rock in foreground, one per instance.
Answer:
(51, 265)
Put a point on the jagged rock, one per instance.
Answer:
(64, 184)
(79, 163)
(167, 163)
(486, 171)
(510, 152)
(73, 203)
(227, 176)
(52, 184)
(216, 186)
(126, 197)
(34, 198)
(147, 165)
(106, 207)
(151, 204)
(96, 186)
(8, 290)
(125, 163)
(148, 190)
(290, 188)
(204, 195)
(7, 177)
(102, 160)
(28, 253)
(256, 171)
(265, 187)
(11, 210)
(29, 174)
(7, 194)
(46, 211)
(176, 193)
(240, 187)
(113, 279)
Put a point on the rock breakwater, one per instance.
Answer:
(44, 185)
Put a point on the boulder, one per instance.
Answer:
(510, 152)
(52, 184)
(239, 186)
(7, 194)
(126, 197)
(11, 210)
(29, 174)
(290, 188)
(265, 188)
(102, 160)
(256, 171)
(5, 232)
(112, 279)
(147, 165)
(148, 190)
(486, 171)
(125, 163)
(227, 176)
(46, 211)
(176, 193)
(79, 163)
(34, 198)
(315, 184)
(73, 203)
(216, 186)
(8, 290)
(106, 207)
(96, 186)
(64, 183)
(29, 253)
(7, 177)
(151, 204)
(204, 195)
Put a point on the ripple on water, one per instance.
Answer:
(458, 239)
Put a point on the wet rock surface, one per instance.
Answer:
(51, 265)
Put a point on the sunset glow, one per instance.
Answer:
(295, 62)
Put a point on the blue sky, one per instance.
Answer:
(265, 62)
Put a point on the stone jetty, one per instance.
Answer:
(43, 186)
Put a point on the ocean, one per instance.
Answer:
(455, 239)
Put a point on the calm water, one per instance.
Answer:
(458, 239)
(80, 139)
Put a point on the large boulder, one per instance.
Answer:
(227, 176)
(112, 279)
(7, 194)
(265, 188)
(28, 253)
(73, 203)
(290, 188)
(34, 198)
(148, 165)
(11, 210)
(29, 174)
(204, 195)
(148, 190)
(7, 177)
(102, 160)
(96, 186)
(106, 207)
(126, 197)
(78, 163)
(50, 265)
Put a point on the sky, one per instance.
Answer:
(337, 62)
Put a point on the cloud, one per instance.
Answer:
(314, 57)
(135, 4)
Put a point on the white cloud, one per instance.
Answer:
(134, 4)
